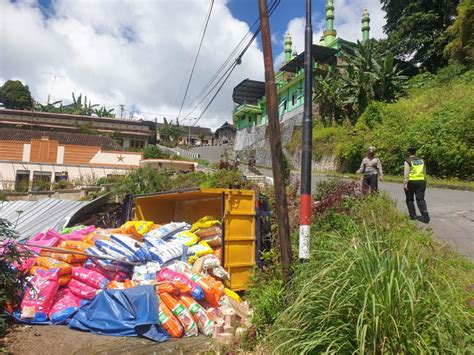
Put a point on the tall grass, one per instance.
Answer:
(374, 284)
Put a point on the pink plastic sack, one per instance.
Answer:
(111, 275)
(78, 234)
(82, 290)
(64, 306)
(50, 238)
(39, 296)
(170, 275)
(90, 277)
(26, 264)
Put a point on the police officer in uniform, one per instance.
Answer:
(371, 167)
(414, 183)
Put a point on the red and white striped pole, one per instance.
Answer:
(306, 153)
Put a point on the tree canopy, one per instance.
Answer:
(461, 34)
(416, 29)
(15, 95)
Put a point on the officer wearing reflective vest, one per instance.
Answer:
(414, 183)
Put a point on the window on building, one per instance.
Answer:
(137, 143)
(294, 98)
(41, 181)
(283, 104)
(22, 180)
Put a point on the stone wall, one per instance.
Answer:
(255, 141)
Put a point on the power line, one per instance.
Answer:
(229, 71)
(197, 56)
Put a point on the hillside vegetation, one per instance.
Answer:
(436, 115)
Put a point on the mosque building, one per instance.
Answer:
(249, 96)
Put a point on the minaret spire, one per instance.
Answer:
(365, 25)
(330, 33)
(288, 46)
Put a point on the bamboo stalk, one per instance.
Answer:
(68, 251)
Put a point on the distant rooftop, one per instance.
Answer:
(26, 135)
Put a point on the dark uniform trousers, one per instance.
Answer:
(416, 188)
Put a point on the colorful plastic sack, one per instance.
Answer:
(39, 297)
(173, 287)
(50, 263)
(34, 269)
(167, 274)
(214, 231)
(187, 238)
(64, 306)
(90, 277)
(171, 324)
(163, 252)
(205, 222)
(64, 280)
(106, 264)
(214, 241)
(233, 295)
(146, 272)
(202, 319)
(182, 313)
(111, 275)
(48, 239)
(213, 290)
(114, 250)
(166, 230)
(75, 245)
(131, 245)
(200, 249)
(82, 290)
(67, 258)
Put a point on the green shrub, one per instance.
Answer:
(153, 152)
(11, 279)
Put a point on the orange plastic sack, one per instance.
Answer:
(64, 280)
(169, 321)
(36, 268)
(129, 230)
(67, 258)
(182, 313)
(211, 288)
(202, 318)
(129, 283)
(50, 263)
(173, 287)
(75, 245)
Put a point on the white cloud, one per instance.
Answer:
(136, 53)
(347, 22)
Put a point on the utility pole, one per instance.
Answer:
(275, 143)
(306, 153)
(122, 107)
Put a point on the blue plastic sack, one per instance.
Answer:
(129, 312)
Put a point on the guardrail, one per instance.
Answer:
(188, 153)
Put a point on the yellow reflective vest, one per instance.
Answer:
(417, 169)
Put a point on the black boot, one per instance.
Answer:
(426, 217)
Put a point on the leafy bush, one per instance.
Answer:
(153, 152)
(374, 284)
(11, 279)
(335, 194)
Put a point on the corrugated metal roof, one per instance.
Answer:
(38, 216)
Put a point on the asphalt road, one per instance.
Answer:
(451, 211)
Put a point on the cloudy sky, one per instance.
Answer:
(139, 52)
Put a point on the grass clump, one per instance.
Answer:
(374, 284)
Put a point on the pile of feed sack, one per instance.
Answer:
(91, 279)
